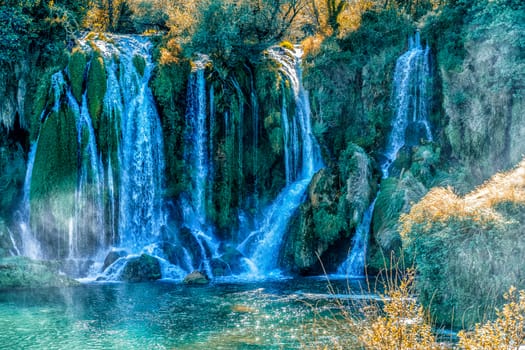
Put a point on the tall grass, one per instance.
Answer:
(442, 204)
(396, 321)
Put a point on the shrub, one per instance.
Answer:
(507, 331)
(468, 250)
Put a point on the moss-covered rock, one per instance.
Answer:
(13, 167)
(139, 63)
(337, 200)
(141, 269)
(395, 198)
(21, 272)
(96, 87)
(169, 89)
(54, 182)
(196, 277)
(113, 256)
(76, 68)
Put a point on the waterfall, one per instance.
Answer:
(262, 245)
(198, 143)
(87, 225)
(118, 196)
(211, 170)
(409, 98)
(409, 95)
(354, 265)
(141, 158)
(255, 127)
(30, 245)
(195, 153)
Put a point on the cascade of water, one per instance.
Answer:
(240, 147)
(411, 77)
(88, 223)
(211, 132)
(409, 95)
(15, 250)
(30, 245)
(195, 137)
(197, 156)
(112, 204)
(141, 216)
(354, 265)
(262, 245)
(255, 127)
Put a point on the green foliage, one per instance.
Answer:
(37, 27)
(76, 69)
(233, 32)
(481, 66)
(465, 267)
(16, 33)
(350, 82)
(96, 87)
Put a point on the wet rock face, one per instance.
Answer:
(337, 199)
(141, 269)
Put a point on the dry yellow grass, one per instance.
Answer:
(442, 204)
(401, 323)
(506, 332)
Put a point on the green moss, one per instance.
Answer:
(169, 89)
(141, 269)
(76, 68)
(40, 101)
(96, 87)
(54, 181)
(21, 272)
(140, 64)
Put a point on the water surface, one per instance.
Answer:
(163, 315)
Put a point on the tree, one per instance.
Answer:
(230, 31)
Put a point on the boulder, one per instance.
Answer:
(196, 277)
(233, 259)
(113, 256)
(220, 268)
(141, 269)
